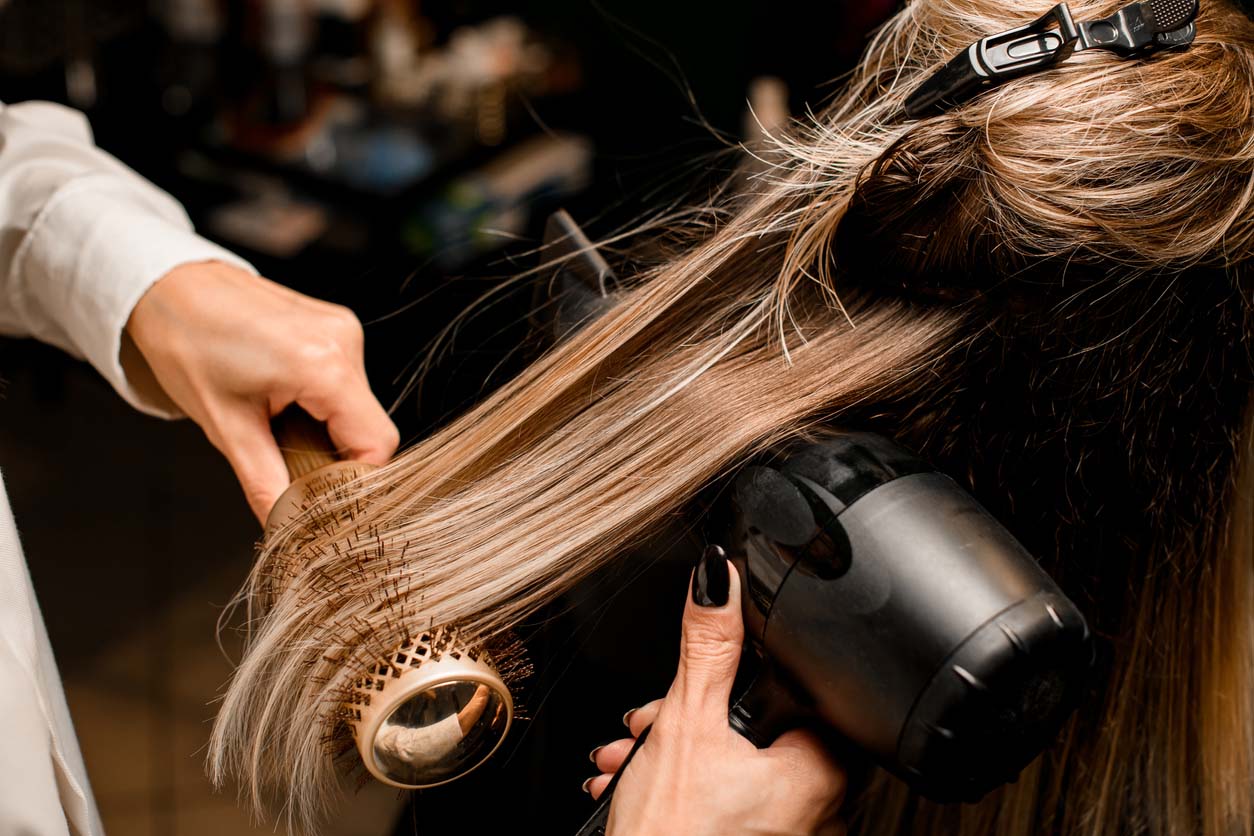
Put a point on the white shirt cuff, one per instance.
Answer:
(94, 250)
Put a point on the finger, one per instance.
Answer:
(610, 757)
(596, 786)
(345, 328)
(243, 435)
(469, 716)
(639, 719)
(709, 651)
(357, 423)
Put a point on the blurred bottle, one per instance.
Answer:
(188, 70)
(397, 36)
(286, 34)
(765, 118)
(341, 55)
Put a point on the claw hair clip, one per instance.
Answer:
(1134, 31)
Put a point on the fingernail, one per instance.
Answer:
(627, 718)
(711, 585)
(592, 756)
(585, 784)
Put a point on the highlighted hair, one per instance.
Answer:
(1040, 289)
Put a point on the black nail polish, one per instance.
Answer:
(710, 583)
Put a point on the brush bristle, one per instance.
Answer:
(358, 563)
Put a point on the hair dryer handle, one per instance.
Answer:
(766, 709)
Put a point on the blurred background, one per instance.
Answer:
(399, 157)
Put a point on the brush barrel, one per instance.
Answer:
(317, 486)
(435, 708)
(432, 712)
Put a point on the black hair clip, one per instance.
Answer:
(1133, 31)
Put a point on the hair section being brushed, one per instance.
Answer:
(739, 341)
(757, 332)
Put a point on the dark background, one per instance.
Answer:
(134, 529)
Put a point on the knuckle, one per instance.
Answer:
(344, 325)
(321, 359)
(256, 493)
(708, 645)
(313, 351)
(259, 498)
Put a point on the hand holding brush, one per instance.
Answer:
(231, 350)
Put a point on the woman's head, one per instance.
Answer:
(1098, 164)
(1042, 290)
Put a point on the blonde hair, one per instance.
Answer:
(880, 272)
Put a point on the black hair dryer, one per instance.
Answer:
(887, 604)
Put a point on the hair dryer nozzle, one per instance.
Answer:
(892, 607)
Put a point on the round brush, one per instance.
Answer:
(435, 707)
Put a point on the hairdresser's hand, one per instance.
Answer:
(694, 774)
(232, 349)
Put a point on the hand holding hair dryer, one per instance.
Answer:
(885, 603)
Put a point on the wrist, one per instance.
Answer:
(171, 298)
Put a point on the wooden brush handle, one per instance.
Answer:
(304, 442)
(313, 464)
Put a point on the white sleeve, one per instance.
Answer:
(82, 238)
(44, 789)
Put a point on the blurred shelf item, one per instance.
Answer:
(278, 227)
(341, 140)
(470, 80)
(430, 111)
(767, 113)
(493, 205)
(765, 120)
(36, 34)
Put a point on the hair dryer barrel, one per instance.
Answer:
(901, 613)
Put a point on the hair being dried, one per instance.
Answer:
(1041, 289)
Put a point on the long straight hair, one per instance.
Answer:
(1040, 290)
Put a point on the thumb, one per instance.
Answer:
(713, 632)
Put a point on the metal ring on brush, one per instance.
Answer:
(430, 714)
(434, 709)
